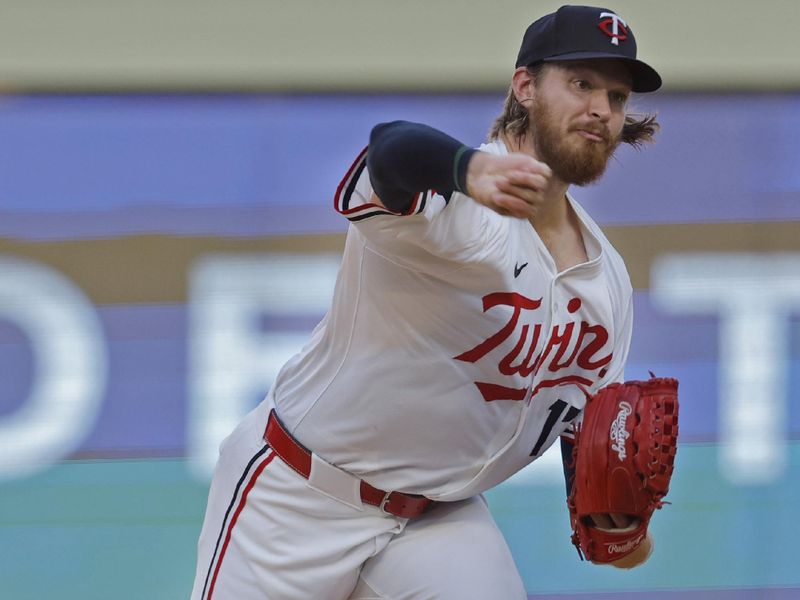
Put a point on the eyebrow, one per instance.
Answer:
(583, 68)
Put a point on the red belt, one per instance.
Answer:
(296, 456)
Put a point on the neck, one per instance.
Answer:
(554, 211)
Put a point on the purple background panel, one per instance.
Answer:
(87, 166)
(144, 411)
(16, 367)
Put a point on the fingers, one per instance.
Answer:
(524, 163)
(511, 185)
(613, 520)
(527, 180)
(603, 521)
(518, 194)
(521, 182)
(510, 206)
(529, 188)
(620, 521)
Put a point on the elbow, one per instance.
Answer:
(382, 147)
(385, 161)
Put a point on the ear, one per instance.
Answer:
(522, 84)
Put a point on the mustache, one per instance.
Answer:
(595, 129)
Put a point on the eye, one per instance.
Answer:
(619, 98)
(582, 84)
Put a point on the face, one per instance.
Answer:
(577, 115)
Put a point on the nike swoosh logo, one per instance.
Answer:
(518, 269)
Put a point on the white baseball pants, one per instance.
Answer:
(267, 535)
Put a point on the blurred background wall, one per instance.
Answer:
(167, 240)
(374, 45)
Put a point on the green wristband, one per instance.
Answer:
(460, 163)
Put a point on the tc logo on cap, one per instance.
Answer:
(614, 27)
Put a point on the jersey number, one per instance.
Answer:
(556, 409)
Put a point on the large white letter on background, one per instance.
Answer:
(70, 367)
(753, 295)
(232, 359)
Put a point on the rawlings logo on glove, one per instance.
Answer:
(624, 457)
(618, 433)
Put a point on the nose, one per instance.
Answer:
(600, 106)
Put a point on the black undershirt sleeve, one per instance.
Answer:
(406, 158)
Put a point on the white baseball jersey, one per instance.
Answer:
(454, 353)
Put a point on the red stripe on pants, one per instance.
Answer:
(250, 485)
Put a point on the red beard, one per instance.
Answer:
(573, 158)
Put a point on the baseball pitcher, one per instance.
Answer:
(479, 315)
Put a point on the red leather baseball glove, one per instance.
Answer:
(624, 456)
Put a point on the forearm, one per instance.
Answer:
(407, 158)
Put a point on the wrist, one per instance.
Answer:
(638, 557)
(461, 162)
(472, 170)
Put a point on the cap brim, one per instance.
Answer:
(645, 77)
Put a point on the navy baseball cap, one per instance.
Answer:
(586, 32)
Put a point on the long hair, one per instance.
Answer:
(514, 121)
